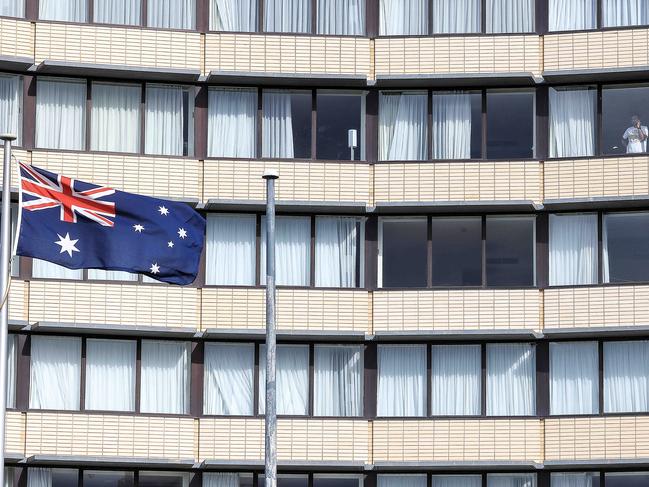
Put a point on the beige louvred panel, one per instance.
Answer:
(18, 300)
(16, 38)
(441, 310)
(15, 432)
(113, 435)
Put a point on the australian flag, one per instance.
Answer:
(83, 226)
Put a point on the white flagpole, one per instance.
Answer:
(5, 256)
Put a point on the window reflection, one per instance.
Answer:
(403, 250)
(107, 479)
(625, 117)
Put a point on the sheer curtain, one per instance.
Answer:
(572, 479)
(171, 14)
(457, 480)
(336, 247)
(574, 378)
(164, 377)
(230, 251)
(338, 380)
(110, 374)
(572, 122)
(341, 17)
(115, 121)
(403, 17)
(12, 356)
(511, 379)
(393, 480)
(456, 16)
(66, 10)
(60, 113)
(292, 381)
(228, 382)
(164, 120)
(55, 374)
(510, 16)
(49, 270)
(456, 377)
(39, 477)
(123, 12)
(511, 480)
(572, 14)
(573, 249)
(233, 15)
(277, 136)
(12, 8)
(401, 380)
(102, 275)
(626, 377)
(292, 250)
(452, 125)
(11, 105)
(402, 126)
(625, 12)
(221, 479)
(232, 122)
(287, 16)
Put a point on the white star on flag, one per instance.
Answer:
(182, 233)
(155, 268)
(138, 228)
(170, 244)
(67, 244)
(163, 211)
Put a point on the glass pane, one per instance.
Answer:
(285, 481)
(572, 15)
(456, 16)
(510, 125)
(510, 251)
(626, 368)
(107, 479)
(457, 251)
(64, 477)
(457, 125)
(337, 116)
(511, 479)
(627, 479)
(574, 378)
(286, 124)
(163, 479)
(572, 121)
(573, 249)
(626, 247)
(625, 116)
(624, 13)
(575, 479)
(404, 252)
(335, 482)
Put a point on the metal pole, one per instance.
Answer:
(5, 244)
(271, 341)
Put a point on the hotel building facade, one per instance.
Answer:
(463, 293)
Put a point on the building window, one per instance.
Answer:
(65, 10)
(229, 479)
(338, 380)
(11, 95)
(292, 380)
(400, 480)
(233, 15)
(510, 250)
(335, 480)
(231, 250)
(292, 250)
(626, 368)
(49, 270)
(110, 375)
(343, 18)
(228, 384)
(401, 378)
(403, 126)
(456, 16)
(119, 12)
(52, 477)
(574, 378)
(403, 17)
(165, 377)
(12, 8)
(625, 242)
(575, 479)
(456, 481)
(338, 114)
(287, 16)
(100, 478)
(285, 481)
(232, 122)
(457, 251)
(403, 252)
(101, 275)
(12, 357)
(625, 119)
(505, 16)
(115, 117)
(623, 13)
(169, 120)
(572, 15)
(55, 373)
(171, 14)
(511, 379)
(338, 251)
(457, 125)
(510, 124)
(572, 121)
(286, 125)
(60, 113)
(510, 479)
(456, 378)
(163, 479)
(625, 479)
(573, 249)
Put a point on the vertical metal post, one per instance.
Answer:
(5, 244)
(271, 341)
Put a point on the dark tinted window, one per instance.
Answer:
(107, 479)
(288, 481)
(510, 251)
(624, 479)
(510, 125)
(301, 118)
(619, 105)
(626, 247)
(457, 251)
(337, 114)
(334, 482)
(404, 253)
(64, 477)
(161, 479)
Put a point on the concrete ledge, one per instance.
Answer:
(84, 461)
(462, 206)
(121, 71)
(598, 202)
(597, 74)
(16, 63)
(110, 329)
(425, 335)
(424, 80)
(457, 466)
(287, 335)
(265, 78)
(346, 207)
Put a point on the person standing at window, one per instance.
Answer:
(635, 137)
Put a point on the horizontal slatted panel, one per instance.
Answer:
(297, 439)
(15, 432)
(458, 440)
(18, 300)
(110, 435)
(16, 38)
(22, 156)
(475, 309)
(121, 304)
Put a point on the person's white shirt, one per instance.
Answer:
(634, 144)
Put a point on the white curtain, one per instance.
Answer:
(401, 380)
(277, 136)
(457, 480)
(102, 275)
(336, 246)
(626, 377)
(456, 16)
(115, 120)
(456, 377)
(287, 16)
(341, 17)
(511, 379)
(292, 250)
(60, 114)
(403, 126)
(572, 122)
(574, 378)
(110, 374)
(49, 270)
(55, 373)
(625, 12)
(572, 14)
(511, 480)
(452, 125)
(403, 17)
(39, 477)
(233, 15)
(394, 480)
(510, 16)
(230, 250)
(164, 120)
(572, 479)
(165, 377)
(573, 249)
(232, 122)
(221, 479)
(11, 105)
(171, 14)
(292, 379)
(12, 356)
(338, 381)
(66, 10)
(12, 8)
(228, 382)
(123, 12)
